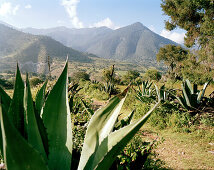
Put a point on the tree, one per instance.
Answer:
(196, 17)
(131, 76)
(172, 56)
(80, 75)
(153, 74)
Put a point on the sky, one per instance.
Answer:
(87, 13)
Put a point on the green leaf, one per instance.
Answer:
(18, 154)
(125, 121)
(16, 109)
(5, 100)
(111, 146)
(100, 125)
(202, 92)
(40, 98)
(57, 120)
(33, 134)
(186, 94)
(189, 86)
(91, 112)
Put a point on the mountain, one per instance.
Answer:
(31, 51)
(78, 39)
(131, 43)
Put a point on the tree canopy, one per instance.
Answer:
(196, 17)
(172, 55)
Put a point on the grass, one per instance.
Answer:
(185, 150)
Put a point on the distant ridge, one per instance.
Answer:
(32, 50)
(131, 43)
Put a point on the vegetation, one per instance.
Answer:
(42, 145)
(196, 17)
(152, 74)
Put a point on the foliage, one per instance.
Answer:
(196, 72)
(134, 155)
(152, 74)
(110, 79)
(42, 145)
(191, 97)
(145, 92)
(6, 84)
(130, 76)
(172, 56)
(80, 75)
(196, 17)
(35, 81)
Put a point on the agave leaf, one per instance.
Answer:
(111, 146)
(125, 121)
(16, 109)
(202, 92)
(186, 94)
(182, 102)
(91, 112)
(18, 154)
(162, 92)
(5, 100)
(100, 125)
(189, 86)
(57, 120)
(40, 98)
(33, 134)
(158, 92)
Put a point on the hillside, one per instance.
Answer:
(131, 43)
(32, 49)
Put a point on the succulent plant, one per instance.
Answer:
(38, 134)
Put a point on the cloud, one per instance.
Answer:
(71, 8)
(174, 36)
(106, 22)
(7, 9)
(28, 6)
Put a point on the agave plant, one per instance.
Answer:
(191, 97)
(145, 92)
(38, 135)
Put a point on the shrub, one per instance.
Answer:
(152, 74)
(35, 81)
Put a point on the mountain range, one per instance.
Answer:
(33, 50)
(131, 43)
(31, 47)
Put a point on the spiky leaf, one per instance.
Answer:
(40, 98)
(16, 109)
(100, 125)
(57, 120)
(108, 150)
(18, 154)
(33, 134)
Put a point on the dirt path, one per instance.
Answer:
(183, 151)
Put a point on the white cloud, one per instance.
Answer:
(28, 6)
(106, 22)
(7, 9)
(71, 8)
(174, 36)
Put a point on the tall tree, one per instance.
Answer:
(196, 17)
(172, 56)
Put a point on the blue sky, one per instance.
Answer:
(86, 13)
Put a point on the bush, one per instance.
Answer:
(35, 81)
(80, 75)
(152, 74)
